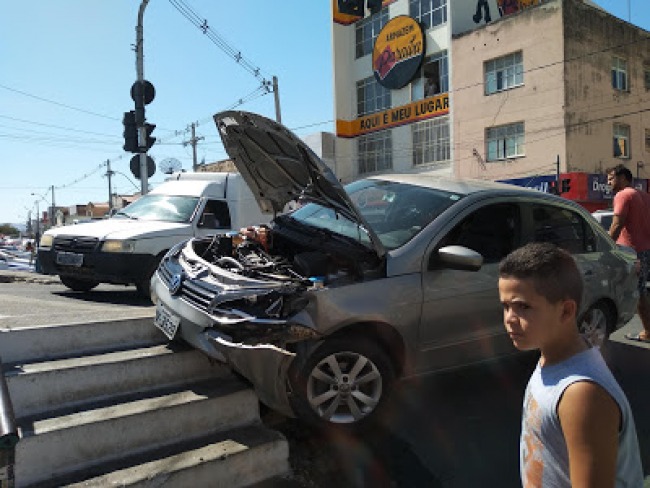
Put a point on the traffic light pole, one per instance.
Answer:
(139, 67)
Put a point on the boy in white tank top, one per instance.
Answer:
(577, 426)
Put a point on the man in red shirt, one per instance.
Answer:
(631, 227)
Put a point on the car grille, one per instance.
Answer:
(191, 292)
(75, 244)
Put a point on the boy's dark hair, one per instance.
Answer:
(620, 170)
(553, 271)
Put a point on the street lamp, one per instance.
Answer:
(38, 214)
(639, 165)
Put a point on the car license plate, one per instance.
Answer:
(69, 258)
(166, 321)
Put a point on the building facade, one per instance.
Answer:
(517, 90)
(563, 87)
(383, 125)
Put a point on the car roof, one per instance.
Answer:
(463, 186)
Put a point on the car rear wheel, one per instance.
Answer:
(78, 285)
(344, 382)
(597, 323)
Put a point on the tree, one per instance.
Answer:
(8, 229)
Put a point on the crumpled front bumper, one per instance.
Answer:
(266, 366)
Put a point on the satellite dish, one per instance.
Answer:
(170, 165)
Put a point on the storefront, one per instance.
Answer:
(589, 190)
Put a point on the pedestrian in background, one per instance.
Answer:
(631, 227)
(577, 425)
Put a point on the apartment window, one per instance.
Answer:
(431, 141)
(619, 74)
(506, 141)
(371, 97)
(366, 32)
(375, 152)
(433, 77)
(429, 13)
(621, 141)
(504, 73)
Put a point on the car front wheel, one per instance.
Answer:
(597, 323)
(344, 382)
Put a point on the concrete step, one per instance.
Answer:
(69, 340)
(39, 387)
(237, 458)
(63, 443)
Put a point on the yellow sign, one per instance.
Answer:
(406, 114)
(398, 52)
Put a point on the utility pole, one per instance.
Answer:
(38, 224)
(53, 208)
(276, 95)
(139, 67)
(109, 175)
(193, 142)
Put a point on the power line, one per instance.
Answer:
(219, 41)
(70, 107)
(15, 119)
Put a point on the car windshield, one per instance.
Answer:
(395, 211)
(160, 207)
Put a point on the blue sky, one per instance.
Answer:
(66, 68)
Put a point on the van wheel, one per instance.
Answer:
(144, 285)
(78, 285)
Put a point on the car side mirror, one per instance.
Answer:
(208, 220)
(458, 257)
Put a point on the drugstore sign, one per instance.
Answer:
(398, 52)
(406, 114)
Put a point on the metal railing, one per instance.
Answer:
(8, 434)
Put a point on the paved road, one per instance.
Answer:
(457, 429)
(28, 299)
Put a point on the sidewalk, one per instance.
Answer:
(9, 276)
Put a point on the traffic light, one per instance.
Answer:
(552, 187)
(149, 141)
(130, 132)
(566, 185)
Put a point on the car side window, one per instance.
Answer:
(562, 227)
(216, 215)
(492, 231)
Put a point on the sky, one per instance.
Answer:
(67, 66)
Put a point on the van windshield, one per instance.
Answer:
(160, 207)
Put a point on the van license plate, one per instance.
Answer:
(69, 258)
(166, 321)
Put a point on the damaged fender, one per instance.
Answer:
(265, 366)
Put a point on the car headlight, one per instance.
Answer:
(113, 245)
(46, 240)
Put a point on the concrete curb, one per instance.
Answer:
(7, 276)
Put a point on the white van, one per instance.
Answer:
(126, 248)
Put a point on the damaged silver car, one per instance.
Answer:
(393, 276)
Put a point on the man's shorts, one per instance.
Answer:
(644, 267)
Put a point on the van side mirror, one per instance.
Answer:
(208, 220)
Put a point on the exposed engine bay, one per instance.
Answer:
(260, 284)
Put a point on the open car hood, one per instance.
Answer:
(279, 167)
